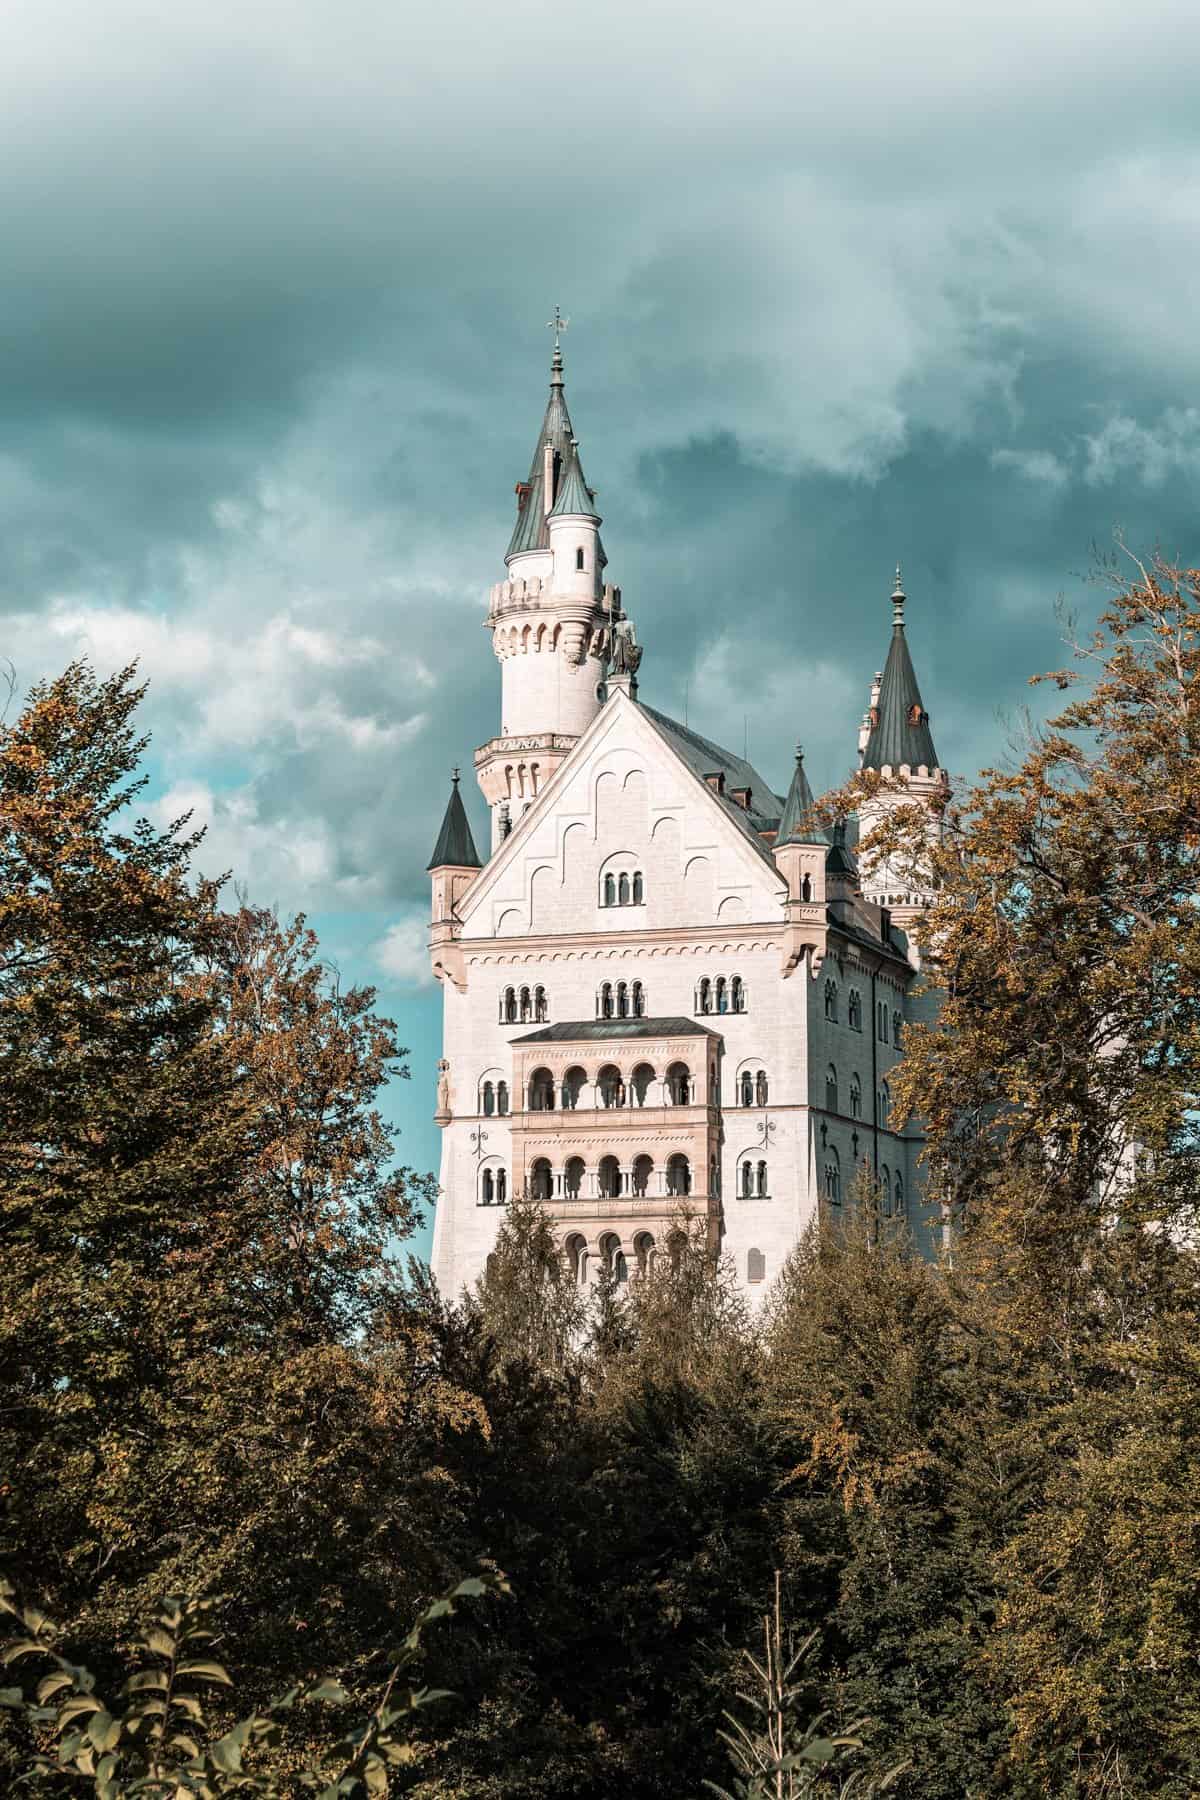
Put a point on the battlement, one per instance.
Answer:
(536, 594)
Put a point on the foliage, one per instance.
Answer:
(161, 1741)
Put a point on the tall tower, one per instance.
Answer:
(899, 747)
(550, 619)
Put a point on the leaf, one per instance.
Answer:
(146, 1678)
(104, 1731)
(375, 1777)
(12, 1697)
(160, 1642)
(53, 1684)
(331, 1691)
(77, 1707)
(203, 1671)
(21, 1647)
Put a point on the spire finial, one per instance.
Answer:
(454, 776)
(799, 753)
(898, 599)
(557, 325)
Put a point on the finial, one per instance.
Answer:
(454, 776)
(557, 325)
(799, 753)
(898, 598)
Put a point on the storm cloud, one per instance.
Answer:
(847, 286)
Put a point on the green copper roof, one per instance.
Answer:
(455, 848)
(796, 825)
(574, 494)
(529, 532)
(899, 724)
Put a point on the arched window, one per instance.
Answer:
(737, 994)
(575, 1257)
(573, 1177)
(854, 1011)
(541, 1091)
(643, 1249)
(679, 1084)
(539, 1006)
(489, 1099)
(899, 1197)
(885, 1191)
(747, 1088)
(623, 890)
(620, 1268)
(606, 1001)
(747, 1179)
(760, 1087)
(806, 888)
(622, 1000)
(639, 1000)
(510, 1006)
(679, 1175)
(761, 1180)
(612, 1091)
(756, 1266)
(722, 994)
(643, 1170)
(855, 1095)
(610, 890)
(639, 890)
(572, 1087)
(897, 1028)
(714, 1177)
(579, 557)
(526, 1006)
(640, 1084)
(489, 1187)
(706, 995)
(885, 1103)
(883, 1020)
(831, 999)
(833, 1177)
(831, 1089)
(540, 1180)
(610, 1178)
(501, 1187)
(502, 1097)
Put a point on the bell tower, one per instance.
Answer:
(550, 618)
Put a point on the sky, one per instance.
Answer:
(848, 286)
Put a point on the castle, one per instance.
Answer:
(666, 987)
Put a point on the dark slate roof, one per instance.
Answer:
(455, 847)
(839, 861)
(704, 758)
(796, 825)
(529, 532)
(900, 731)
(603, 1031)
(574, 494)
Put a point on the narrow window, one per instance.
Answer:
(526, 1011)
(579, 557)
(885, 1191)
(622, 1000)
(501, 1186)
(762, 1180)
(855, 1096)
(738, 994)
(831, 1001)
(747, 1181)
(706, 995)
(502, 1097)
(831, 1089)
(756, 1266)
(899, 1204)
(722, 995)
(639, 1001)
(510, 1006)
(489, 1099)
(760, 1087)
(539, 1006)
(606, 1001)
(885, 1102)
(638, 888)
(623, 890)
(747, 1088)
(610, 890)
(897, 1027)
(489, 1188)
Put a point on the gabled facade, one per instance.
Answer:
(665, 988)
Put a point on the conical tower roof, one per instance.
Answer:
(899, 723)
(574, 494)
(796, 826)
(455, 847)
(529, 532)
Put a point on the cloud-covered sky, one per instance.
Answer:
(847, 285)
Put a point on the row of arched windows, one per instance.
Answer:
(523, 1006)
(610, 1180)
(752, 1087)
(628, 889)
(621, 1000)
(611, 1089)
(725, 994)
(891, 1193)
(853, 1005)
(883, 1015)
(883, 1099)
(493, 1098)
(612, 1258)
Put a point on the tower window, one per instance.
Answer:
(623, 890)
(638, 888)
(756, 1266)
(579, 557)
(610, 890)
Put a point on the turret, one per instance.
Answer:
(900, 750)
(800, 850)
(547, 619)
(453, 866)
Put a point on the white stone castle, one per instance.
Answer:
(666, 988)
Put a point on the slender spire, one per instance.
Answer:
(574, 494)
(556, 435)
(796, 826)
(455, 847)
(900, 734)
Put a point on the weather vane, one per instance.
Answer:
(557, 325)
